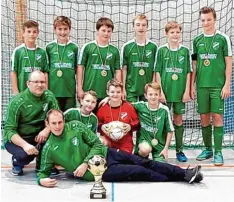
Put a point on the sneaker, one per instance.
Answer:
(54, 172)
(206, 154)
(191, 174)
(181, 156)
(17, 171)
(218, 159)
(199, 177)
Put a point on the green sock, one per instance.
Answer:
(179, 131)
(207, 134)
(218, 138)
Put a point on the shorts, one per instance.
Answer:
(210, 100)
(178, 107)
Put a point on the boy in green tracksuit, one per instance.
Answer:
(27, 58)
(99, 61)
(84, 114)
(24, 124)
(172, 71)
(137, 58)
(63, 57)
(72, 145)
(156, 126)
(212, 70)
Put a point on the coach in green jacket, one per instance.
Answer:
(24, 127)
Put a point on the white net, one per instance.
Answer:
(84, 15)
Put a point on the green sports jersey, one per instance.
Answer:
(76, 145)
(169, 63)
(138, 57)
(97, 75)
(150, 119)
(218, 47)
(90, 120)
(62, 57)
(26, 114)
(25, 60)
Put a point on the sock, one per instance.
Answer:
(179, 131)
(207, 134)
(218, 138)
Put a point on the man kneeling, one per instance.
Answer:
(71, 145)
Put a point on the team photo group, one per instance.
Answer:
(141, 89)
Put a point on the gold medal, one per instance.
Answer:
(59, 73)
(103, 72)
(154, 142)
(206, 62)
(141, 72)
(174, 77)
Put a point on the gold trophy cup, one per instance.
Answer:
(97, 166)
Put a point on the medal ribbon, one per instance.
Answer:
(32, 67)
(61, 58)
(207, 51)
(82, 120)
(175, 59)
(154, 128)
(141, 56)
(100, 56)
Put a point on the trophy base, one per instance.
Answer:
(94, 195)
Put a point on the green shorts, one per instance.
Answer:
(155, 151)
(178, 107)
(209, 100)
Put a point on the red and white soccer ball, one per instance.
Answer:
(115, 130)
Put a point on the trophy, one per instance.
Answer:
(97, 166)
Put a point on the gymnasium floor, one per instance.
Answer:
(217, 186)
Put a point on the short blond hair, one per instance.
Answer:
(62, 20)
(90, 92)
(115, 83)
(154, 85)
(141, 17)
(172, 25)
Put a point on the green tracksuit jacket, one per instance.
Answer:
(76, 145)
(26, 114)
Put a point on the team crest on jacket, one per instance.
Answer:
(148, 53)
(181, 59)
(215, 45)
(109, 56)
(123, 115)
(74, 141)
(38, 57)
(70, 54)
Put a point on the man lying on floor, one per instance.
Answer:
(71, 145)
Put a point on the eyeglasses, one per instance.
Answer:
(37, 82)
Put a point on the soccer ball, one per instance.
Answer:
(116, 130)
(97, 165)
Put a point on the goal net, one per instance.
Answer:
(84, 15)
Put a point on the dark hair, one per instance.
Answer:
(205, 10)
(103, 21)
(29, 24)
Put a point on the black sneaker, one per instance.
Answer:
(54, 172)
(191, 174)
(17, 171)
(199, 177)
